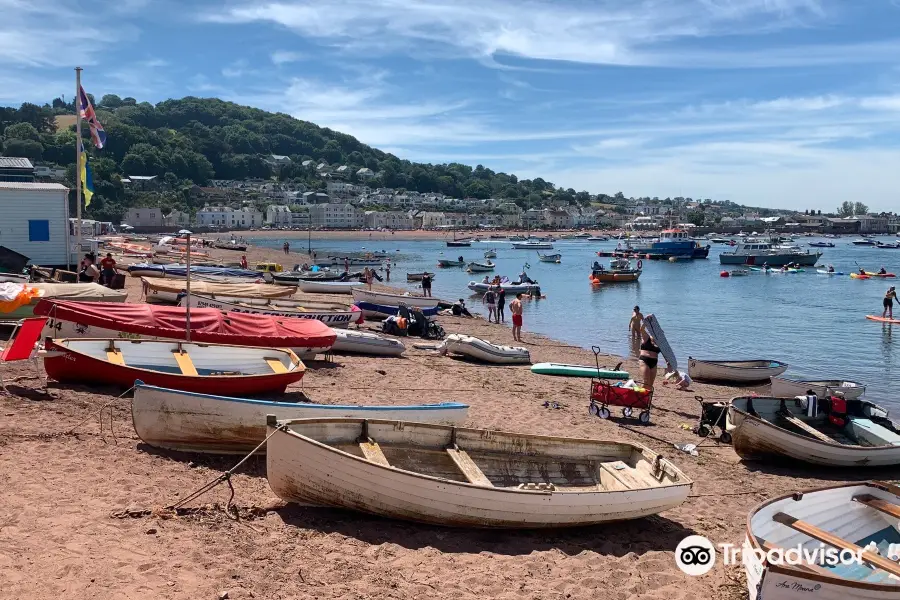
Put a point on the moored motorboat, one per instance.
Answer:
(783, 387)
(550, 258)
(831, 432)
(855, 524)
(332, 314)
(208, 325)
(614, 276)
(443, 262)
(477, 267)
(821, 244)
(361, 342)
(490, 254)
(735, 371)
(864, 242)
(193, 422)
(483, 350)
(205, 368)
(453, 476)
(532, 245)
(329, 287)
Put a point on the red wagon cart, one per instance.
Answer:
(605, 394)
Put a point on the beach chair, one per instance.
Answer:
(24, 344)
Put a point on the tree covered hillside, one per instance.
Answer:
(193, 140)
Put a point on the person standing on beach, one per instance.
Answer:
(287, 248)
(244, 261)
(426, 285)
(369, 275)
(515, 307)
(888, 303)
(501, 304)
(387, 270)
(490, 300)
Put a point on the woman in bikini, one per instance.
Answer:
(649, 358)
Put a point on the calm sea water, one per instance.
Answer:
(815, 323)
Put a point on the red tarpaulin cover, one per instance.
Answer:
(207, 324)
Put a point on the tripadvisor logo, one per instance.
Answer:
(696, 555)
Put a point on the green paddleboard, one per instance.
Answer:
(577, 371)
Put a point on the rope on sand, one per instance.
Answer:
(226, 477)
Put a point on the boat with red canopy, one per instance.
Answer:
(143, 321)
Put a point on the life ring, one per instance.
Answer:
(640, 264)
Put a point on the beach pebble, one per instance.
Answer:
(151, 531)
(222, 595)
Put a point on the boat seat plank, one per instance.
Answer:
(276, 365)
(185, 363)
(372, 451)
(468, 467)
(805, 427)
(115, 357)
(624, 476)
(871, 501)
(832, 540)
(873, 433)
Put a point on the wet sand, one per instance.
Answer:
(63, 534)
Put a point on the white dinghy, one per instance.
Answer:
(735, 371)
(467, 477)
(484, 351)
(328, 287)
(192, 422)
(819, 431)
(782, 387)
(859, 519)
(361, 342)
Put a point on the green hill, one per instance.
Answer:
(193, 140)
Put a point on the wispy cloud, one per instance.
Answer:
(280, 57)
(645, 32)
(235, 69)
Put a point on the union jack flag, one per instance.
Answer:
(88, 115)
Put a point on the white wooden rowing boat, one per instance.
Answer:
(361, 342)
(477, 267)
(385, 299)
(783, 387)
(333, 315)
(191, 422)
(735, 371)
(484, 350)
(467, 477)
(549, 258)
(328, 287)
(170, 291)
(777, 428)
(844, 517)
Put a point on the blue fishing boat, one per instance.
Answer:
(671, 242)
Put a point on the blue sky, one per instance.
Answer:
(782, 103)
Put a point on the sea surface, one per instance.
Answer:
(815, 323)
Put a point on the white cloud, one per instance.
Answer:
(642, 32)
(280, 57)
(235, 69)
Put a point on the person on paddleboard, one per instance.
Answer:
(888, 303)
(831, 268)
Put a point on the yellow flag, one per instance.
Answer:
(87, 180)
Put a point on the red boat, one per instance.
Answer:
(75, 320)
(201, 368)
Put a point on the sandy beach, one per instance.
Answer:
(81, 498)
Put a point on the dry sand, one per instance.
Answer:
(59, 492)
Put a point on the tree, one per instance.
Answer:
(110, 101)
(23, 149)
(845, 209)
(696, 217)
(860, 209)
(22, 131)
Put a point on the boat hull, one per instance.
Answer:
(192, 422)
(302, 469)
(788, 388)
(774, 260)
(328, 287)
(361, 342)
(734, 371)
(332, 318)
(485, 351)
(383, 311)
(385, 299)
(754, 438)
(624, 276)
(71, 366)
(510, 288)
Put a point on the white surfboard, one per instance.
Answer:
(656, 330)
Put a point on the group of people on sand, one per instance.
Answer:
(103, 273)
(649, 355)
(494, 299)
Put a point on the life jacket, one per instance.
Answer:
(838, 413)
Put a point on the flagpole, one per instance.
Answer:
(77, 165)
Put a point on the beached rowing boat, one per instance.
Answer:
(735, 371)
(208, 325)
(386, 299)
(180, 271)
(192, 422)
(853, 433)
(485, 351)
(782, 387)
(332, 314)
(845, 518)
(461, 477)
(203, 368)
(328, 287)
(168, 291)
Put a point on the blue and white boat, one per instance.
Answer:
(671, 242)
(180, 271)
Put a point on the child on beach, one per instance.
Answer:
(681, 379)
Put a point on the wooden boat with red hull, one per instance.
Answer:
(201, 368)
